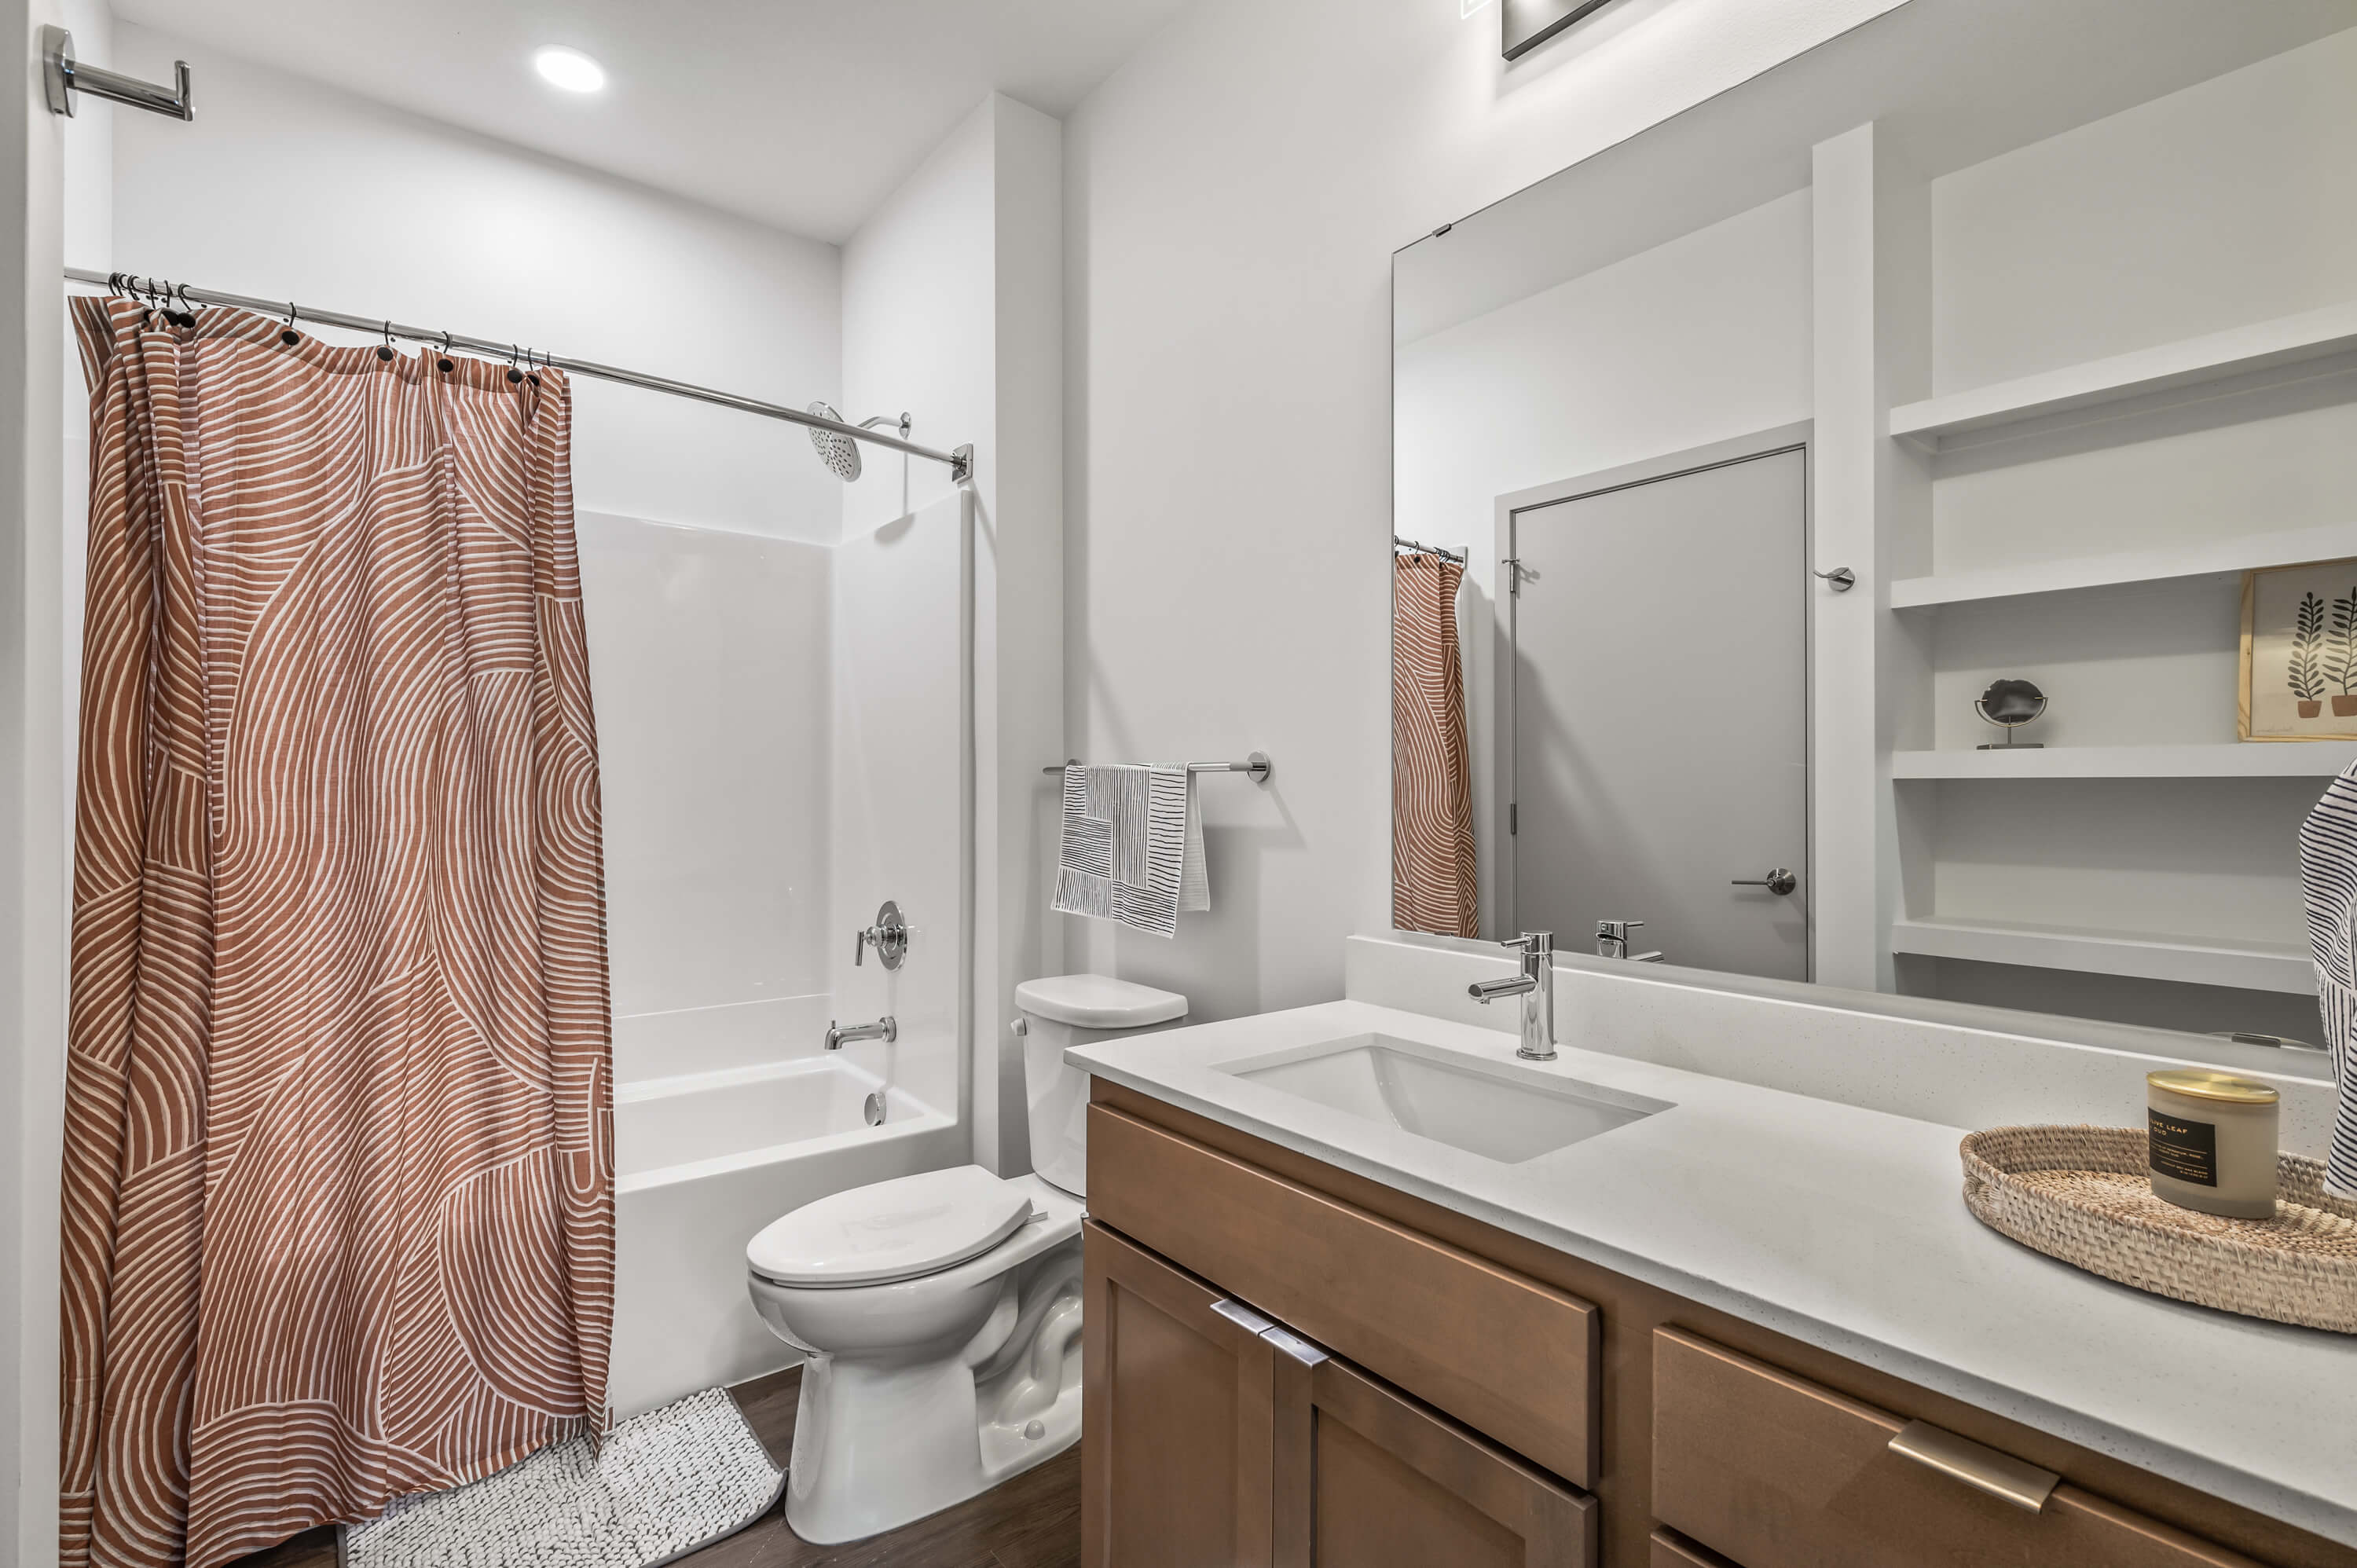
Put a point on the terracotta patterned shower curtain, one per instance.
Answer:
(1432, 785)
(338, 1176)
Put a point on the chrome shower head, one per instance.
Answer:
(840, 453)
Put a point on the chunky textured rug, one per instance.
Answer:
(659, 1486)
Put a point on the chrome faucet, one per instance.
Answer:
(1536, 986)
(883, 1029)
(1612, 941)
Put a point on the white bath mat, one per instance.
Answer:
(660, 1485)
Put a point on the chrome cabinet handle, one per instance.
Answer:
(1781, 882)
(1244, 1318)
(1984, 1469)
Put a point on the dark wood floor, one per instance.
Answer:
(1032, 1522)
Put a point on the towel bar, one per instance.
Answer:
(1257, 765)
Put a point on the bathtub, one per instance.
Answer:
(703, 1162)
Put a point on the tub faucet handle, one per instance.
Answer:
(888, 936)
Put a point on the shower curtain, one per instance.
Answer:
(1432, 786)
(338, 1173)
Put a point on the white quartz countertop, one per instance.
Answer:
(1842, 1227)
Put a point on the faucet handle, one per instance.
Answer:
(1541, 943)
(1616, 930)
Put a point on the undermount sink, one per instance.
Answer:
(1412, 1088)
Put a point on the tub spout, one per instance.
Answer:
(884, 1030)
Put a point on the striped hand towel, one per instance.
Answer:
(1133, 848)
(2328, 881)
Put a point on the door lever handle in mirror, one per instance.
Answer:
(1780, 882)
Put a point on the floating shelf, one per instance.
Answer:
(2196, 961)
(2252, 759)
(2209, 557)
(2214, 355)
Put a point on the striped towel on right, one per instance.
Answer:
(2328, 882)
(1133, 847)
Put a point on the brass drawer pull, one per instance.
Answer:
(2001, 1475)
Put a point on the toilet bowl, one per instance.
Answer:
(940, 1313)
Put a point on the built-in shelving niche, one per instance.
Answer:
(2143, 848)
(2087, 525)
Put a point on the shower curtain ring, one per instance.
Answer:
(289, 336)
(446, 363)
(384, 349)
(514, 375)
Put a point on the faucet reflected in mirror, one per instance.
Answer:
(1612, 941)
(1536, 986)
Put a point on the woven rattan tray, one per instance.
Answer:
(2081, 1194)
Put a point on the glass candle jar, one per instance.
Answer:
(2211, 1144)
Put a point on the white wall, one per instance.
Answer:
(1699, 341)
(1234, 195)
(2088, 243)
(283, 187)
(54, 203)
(952, 301)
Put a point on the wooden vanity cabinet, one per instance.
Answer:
(1210, 1444)
(1469, 1396)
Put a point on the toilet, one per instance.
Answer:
(940, 1313)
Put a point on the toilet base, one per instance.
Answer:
(884, 1439)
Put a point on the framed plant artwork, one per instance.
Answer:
(2300, 653)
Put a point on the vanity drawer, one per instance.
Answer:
(1778, 1472)
(1512, 1359)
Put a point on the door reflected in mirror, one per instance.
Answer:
(1737, 466)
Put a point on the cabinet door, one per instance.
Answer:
(1175, 1420)
(1366, 1477)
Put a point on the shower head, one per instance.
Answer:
(837, 451)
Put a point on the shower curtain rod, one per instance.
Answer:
(1462, 557)
(959, 460)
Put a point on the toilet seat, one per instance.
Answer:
(891, 1230)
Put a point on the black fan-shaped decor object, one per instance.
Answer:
(2009, 704)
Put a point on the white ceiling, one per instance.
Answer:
(804, 113)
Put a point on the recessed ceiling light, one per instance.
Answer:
(569, 68)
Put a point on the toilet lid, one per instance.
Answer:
(891, 1231)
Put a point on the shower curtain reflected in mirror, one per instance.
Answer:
(338, 1174)
(1433, 881)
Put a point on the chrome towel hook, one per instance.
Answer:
(1841, 579)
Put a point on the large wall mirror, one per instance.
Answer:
(1895, 525)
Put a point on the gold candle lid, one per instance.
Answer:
(2219, 1086)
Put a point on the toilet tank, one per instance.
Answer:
(1069, 1010)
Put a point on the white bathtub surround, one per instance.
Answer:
(1837, 1225)
(785, 720)
(921, 1393)
(684, 1041)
